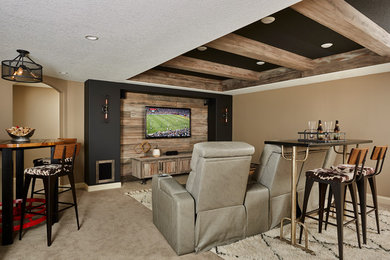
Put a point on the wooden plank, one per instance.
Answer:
(243, 46)
(344, 61)
(266, 77)
(132, 129)
(212, 68)
(343, 18)
(175, 79)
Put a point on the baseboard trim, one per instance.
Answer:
(382, 200)
(107, 186)
(80, 185)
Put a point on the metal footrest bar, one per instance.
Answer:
(306, 247)
(65, 208)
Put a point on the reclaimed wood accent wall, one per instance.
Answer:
(132, 126)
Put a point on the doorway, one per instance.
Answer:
(37, 106)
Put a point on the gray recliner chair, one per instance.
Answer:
(218, 206)
(211, 209)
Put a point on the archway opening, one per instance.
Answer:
(38, 106)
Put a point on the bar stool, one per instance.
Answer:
(46, 161)
(338, 180)
(378, 154)
(49, 174)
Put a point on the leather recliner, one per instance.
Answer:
(210, 211)
(218, 206)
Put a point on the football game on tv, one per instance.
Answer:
(166, 122)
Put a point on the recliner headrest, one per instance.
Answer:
(223, 149)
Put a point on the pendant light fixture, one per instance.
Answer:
(21, 69)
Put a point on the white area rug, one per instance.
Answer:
(142, 196)
(267, 246)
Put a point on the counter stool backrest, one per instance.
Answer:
(71, 150)
(378, 155)
(358, 158)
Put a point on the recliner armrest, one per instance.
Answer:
(174, 213)
(257, 209)
(172, 187)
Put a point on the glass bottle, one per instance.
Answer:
(320, 131)
(336, 131)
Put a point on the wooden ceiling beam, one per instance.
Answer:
(212, 68)
(341, 17)
(246, 47)
(339, 62)
(175, 79)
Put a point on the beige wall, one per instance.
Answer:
(72, 115)
(39, 108)
(5, 107)
(361, 104)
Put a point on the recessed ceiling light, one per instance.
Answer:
(91, 37)
(260, 62)
(63, 73)
(268, 20)
(202, 48)
(326, 45)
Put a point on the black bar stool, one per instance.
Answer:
(378, 154)
(338, 180)
(49, 174)
(369, 174)
(45, 161)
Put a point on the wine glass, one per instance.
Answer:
(328, 127)
(312, 128)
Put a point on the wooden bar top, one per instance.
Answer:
(315, 144)
(32, 143)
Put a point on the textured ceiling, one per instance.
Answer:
(134, 35)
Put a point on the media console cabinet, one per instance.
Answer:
(145, 167)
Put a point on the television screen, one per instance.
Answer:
(166, 122)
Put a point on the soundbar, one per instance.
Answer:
(171, 153)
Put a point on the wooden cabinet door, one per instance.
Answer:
(168, 166)
(184, 165)
(150, 168)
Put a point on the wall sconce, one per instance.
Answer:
(105, 109)
(225, 115)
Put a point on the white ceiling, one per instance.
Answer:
(134, 35)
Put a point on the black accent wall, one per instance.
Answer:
(102, 139)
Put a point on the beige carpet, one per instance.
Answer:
(113, 226)
(266, 246)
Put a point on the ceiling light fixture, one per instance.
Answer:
(91, 37)
(202, 48)
(326, 45)
(21, 69)
(260, 62)
(268, 20)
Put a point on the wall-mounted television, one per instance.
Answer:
(167, 122)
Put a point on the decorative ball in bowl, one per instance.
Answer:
(20, 134)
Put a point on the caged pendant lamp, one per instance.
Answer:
(21, 69)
